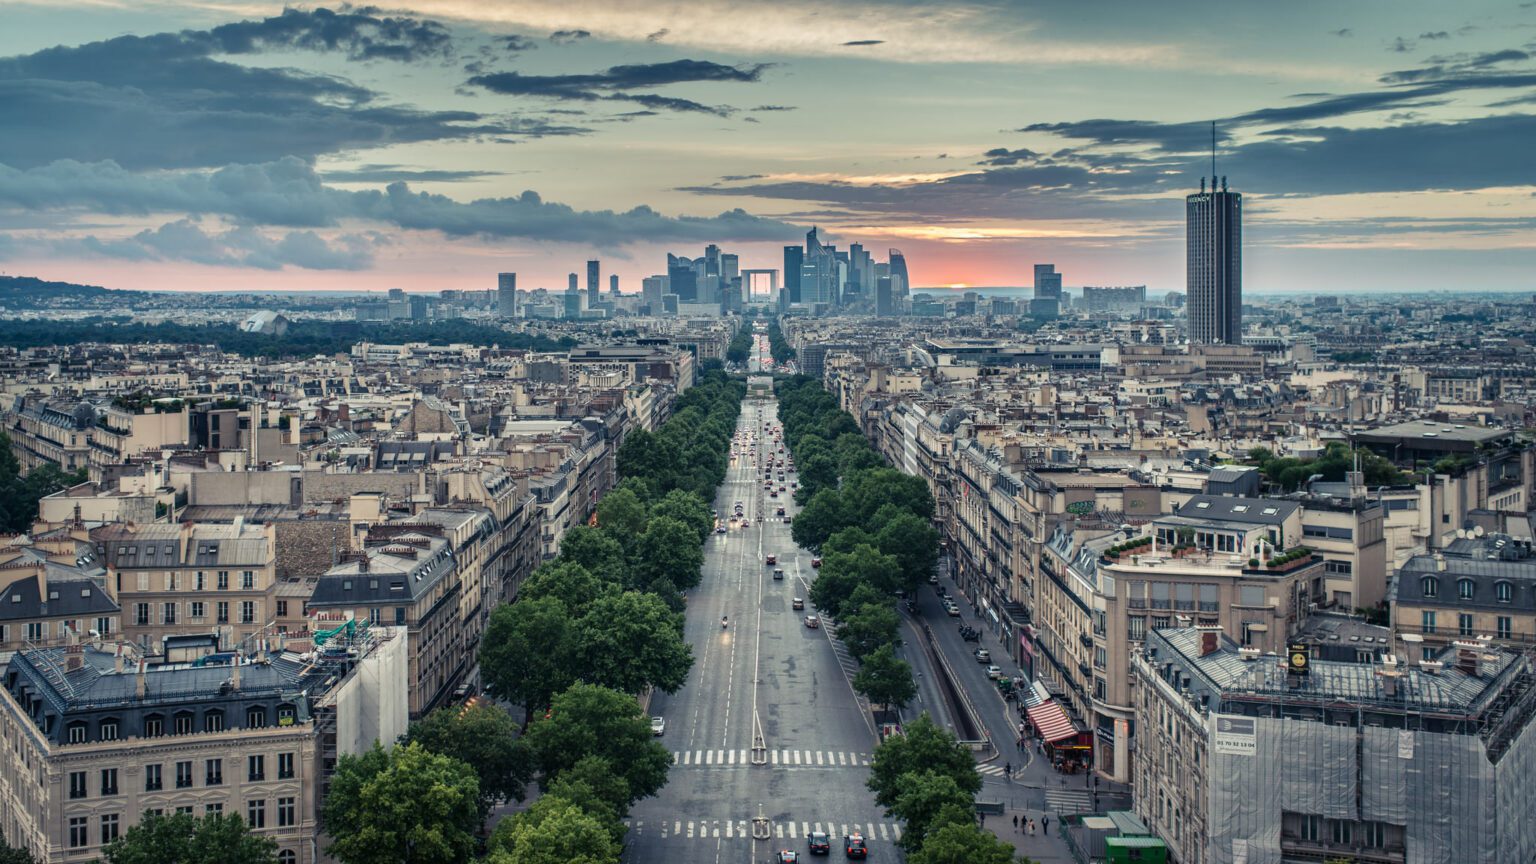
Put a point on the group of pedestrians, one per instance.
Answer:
(1025, 824)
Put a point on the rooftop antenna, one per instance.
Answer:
(1213, 151)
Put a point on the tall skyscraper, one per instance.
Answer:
(613, 283)
(794, 259)
(652, 288)
(571, 284)
(594, 279)
(901, 286)
(1214, 263)
(506, 295)
(884, 304)
(1047, 300)
(682, 278)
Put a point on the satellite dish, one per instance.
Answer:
(1478, 531)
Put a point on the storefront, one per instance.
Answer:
(1069, 748)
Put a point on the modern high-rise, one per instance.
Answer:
(901, 285)
(884, 306)
(506, 295)
(613, 284)
(1047, 299)
(682, 278)
(794, 260)
(1214, 260)
(594, 278)
(651, 290)
(571, 283)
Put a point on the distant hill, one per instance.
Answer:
(29, 291)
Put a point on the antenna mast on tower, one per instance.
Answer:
(1213, 149)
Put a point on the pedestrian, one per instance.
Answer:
(1021, 743)
(1007, 769)
(1031, 827)
(1045, 824)
(1015, 821)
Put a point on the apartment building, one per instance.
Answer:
(129, 428)
(191, 577)
(1244, 757)
(46, 431)
(1477, 586)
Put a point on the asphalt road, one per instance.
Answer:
(765, 674)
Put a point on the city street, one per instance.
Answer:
(765, 674)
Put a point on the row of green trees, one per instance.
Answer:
(600, 623)
(872, 526)
(19, 494)
(741, 344)
(777, 347)
(177, 839)
(929, 781)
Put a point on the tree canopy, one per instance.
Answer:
(923, 747)
(483, 736)
(405, 806)
(182, 838)
(587, 720)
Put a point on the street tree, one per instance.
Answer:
(820, 518)
(182, 838)
(923, 746)
(865, 492)
(687, 508)
(668, 548)
(555, 830)
(912, 541)
(964, 843)
(868, 626)
(621, 514)
(484, 736)
(885, 679)
(818, 471)
(576, 587)
(595, 550)
(525, 653)
(921, 798)
(598, 789)
(587, 720)
(11, 854)
(631, 641)
(406, 806)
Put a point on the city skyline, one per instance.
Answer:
(432, 147)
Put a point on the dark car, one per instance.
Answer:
(853, 846)
(821, 844)
(788, 857)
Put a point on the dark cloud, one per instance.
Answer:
(750, 120)
(858, 43)
(615, 83)
(775, 108)
(290, 193)
(169, 104)
(658, 35)
(737, 178)
(1343, 33)
(362, 32)
(244, 246)
(517, 44)
(1437, 34)
(399, 173)
(1401, 45)
(1003, 156)
(566, 37)
(1166, 136)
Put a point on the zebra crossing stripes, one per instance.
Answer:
(776, 758)
(741, 829)
(1069, 800)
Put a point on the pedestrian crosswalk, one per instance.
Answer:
(776, 758)
(1068, 800)
(700, 829)
(989, 768)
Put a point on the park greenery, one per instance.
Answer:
(740, 347)
(1289, 473)
(182, 838)
(777, 347)
(19, 494)
(928, 780)
(872, 526)
(302, 338)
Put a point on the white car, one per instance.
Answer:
(659, 725)
(993, 672)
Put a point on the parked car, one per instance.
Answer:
(983, 655)
(815, 562)
(994, 672)
(658, 726)
(952, 610)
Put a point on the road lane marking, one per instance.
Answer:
(818, 757)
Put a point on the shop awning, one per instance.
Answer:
(1051, 720)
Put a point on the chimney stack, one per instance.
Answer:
(1209, 642)
(140, 686)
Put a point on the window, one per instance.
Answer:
(213, 721)
(223, 610)
(186, 808)
(35, 631)
(201, 582)
(1503, 591)
(109, 781)
(256, 813)
(214, 772)
(1343, 832)
(141, 614)
(1099, 688)
(285, 766)
(1465, 589)
(1504, 629)
(223, 580)
(199, 610)
(1310, 829)
(77, 731)
(212, 809)
(153, 782)
(1160, 596)
(1429, 586)
(255, 717)
(183, 722)
(183, 775)
(154, 726)
(282, 608)
(104, 626)
(248, 581)
(1250, 595)
(1100, 658)
(109, 730)
(1210, 598)
(1339, 568)
(286, 813)
(143, 579)
(1375, 834)
(1428, 621)
(1136, 594)
(1161, 622)
(247, 612)
(77, 784)
(287, 856)
(1136, 627)
(108, 828)
(1464, 624)
(399, 616)
(256, 768)
(79, 831)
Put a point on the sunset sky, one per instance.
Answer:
(244, 146)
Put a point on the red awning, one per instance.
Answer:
(1051, 721)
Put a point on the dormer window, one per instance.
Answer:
(1465, 588)
(1429, 586)
(1504, 592)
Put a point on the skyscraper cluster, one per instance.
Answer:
(822, 278)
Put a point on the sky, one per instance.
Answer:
(1382, 145)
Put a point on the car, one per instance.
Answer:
(983, 655)
(994, 672)
(773, 493)
(952, 610)
(658, 726)
(969, 634)
(788, 857)
(853, 846)
(821, 843)
(771, 559)
(798, 603)
(812, 621)
(780, 511)
(815, 562)
(933, 578)
(778, 573)
(719, 529)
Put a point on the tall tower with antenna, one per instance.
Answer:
(1214, 260)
